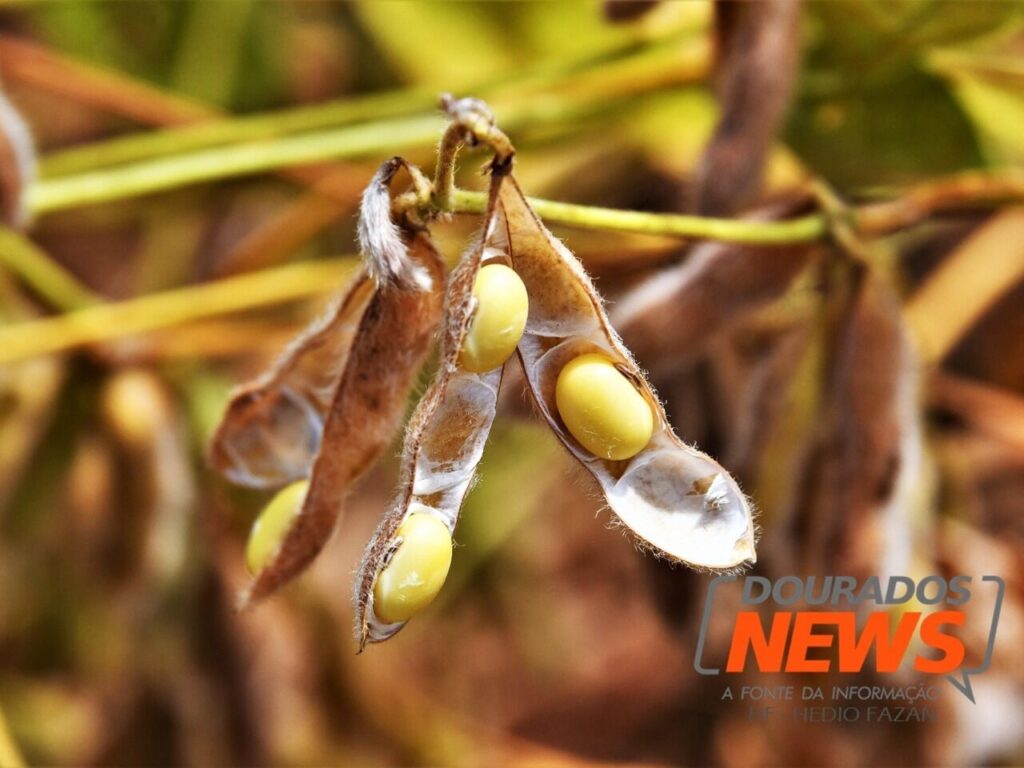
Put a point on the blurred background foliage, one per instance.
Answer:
(200, 168)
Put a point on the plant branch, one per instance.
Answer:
(914, 205)
(797, 230)
(51, 281)
(472, 123)
(107, 321)
(918, 203)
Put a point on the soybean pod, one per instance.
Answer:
(407, 558)
(678, 502)
(325, 413)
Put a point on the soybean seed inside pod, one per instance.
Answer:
(602, 409)
(417, 570)
(499, 320)
(273, 523)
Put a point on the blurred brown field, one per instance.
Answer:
(199, 169)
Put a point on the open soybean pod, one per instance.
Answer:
(271, 430)
(393, 338)
(443, 446)
(679, 502)
(331, 407)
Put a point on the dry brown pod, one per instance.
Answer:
(348, 376)
(677, 501)
(669, 319)
(445, 439)
(756, 52)
(271, 431)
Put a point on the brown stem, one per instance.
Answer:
(472, 123)
(966, 189)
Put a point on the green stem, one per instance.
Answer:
(803, 229)
(118, 183)
(106, 185)
(103, 322)
(89, 324)
(676, 61)
(109, 184)
(272, 125)
(47, 278)
(269, 146)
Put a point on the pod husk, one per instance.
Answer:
(757, 54)
(271, 430)
(330, 406)
(393, 338)
(445, 438)
(678, 502)
(272, 427)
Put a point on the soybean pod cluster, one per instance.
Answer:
(315, 422)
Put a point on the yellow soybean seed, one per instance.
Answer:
(417, 570)
(499, 321)
(602, 409)
(273, 523)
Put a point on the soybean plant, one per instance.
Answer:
(318, 420)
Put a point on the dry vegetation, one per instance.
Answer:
(808, 222)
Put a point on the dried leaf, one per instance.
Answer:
(678, 501)
(981, 270)
(861, 484)
(446, 435)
